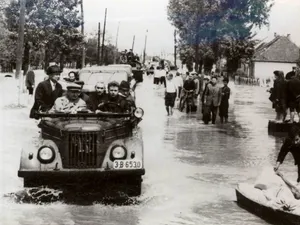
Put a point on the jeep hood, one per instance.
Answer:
(82, 125)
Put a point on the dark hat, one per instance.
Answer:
(52, 70)
(124, 85)
(73, 87)
(226, 80)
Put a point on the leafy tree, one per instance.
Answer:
(205, 24)
(50, 25)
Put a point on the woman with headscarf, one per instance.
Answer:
(278, 96)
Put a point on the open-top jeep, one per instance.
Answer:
(98, 149)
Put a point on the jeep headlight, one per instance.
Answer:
(118, 152)
(138, 112)
(46, 154)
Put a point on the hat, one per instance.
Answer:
(52, 70)
(124, 85)
(73, 87)
(226, 80)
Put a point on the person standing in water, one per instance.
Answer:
(292, 145)
(223, 108)
(170, 94)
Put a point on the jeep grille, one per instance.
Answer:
(83, 150)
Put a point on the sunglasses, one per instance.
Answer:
(100, 88)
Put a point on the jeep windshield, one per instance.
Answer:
(91, 78)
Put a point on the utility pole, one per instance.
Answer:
(20, 48)
(116, 52)
(175, 49)
(82, 32)
(103, 38)
(98, 52)
(144, 58)
(133, 42)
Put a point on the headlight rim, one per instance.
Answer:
(112, 158)
(48, 161)
(134, 113)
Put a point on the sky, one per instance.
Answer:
(134, 17)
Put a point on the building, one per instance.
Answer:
(279, 54)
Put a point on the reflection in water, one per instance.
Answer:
(191, 168)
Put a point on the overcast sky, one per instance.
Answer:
(136, 16)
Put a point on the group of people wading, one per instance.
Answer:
(285, 95)
(50, 97)
(212, 91)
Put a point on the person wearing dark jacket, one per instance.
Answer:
(97, 97)
(47, 92)
(278, 96)
(293, 96)
(223, 108)
(292, 145)
(124, 92)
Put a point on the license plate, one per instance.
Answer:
(127, 164)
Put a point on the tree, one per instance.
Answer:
(205, 24)
(50, 25)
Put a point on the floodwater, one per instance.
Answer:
(191, 168)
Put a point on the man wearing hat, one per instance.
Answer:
(223, 108)
(97, 97)
(71, 103)
(82, 95)
(47, 91)
(124, 92)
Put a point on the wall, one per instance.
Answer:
(266, 69)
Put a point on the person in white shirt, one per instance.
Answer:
(170, 94)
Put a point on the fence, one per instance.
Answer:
(246, 81)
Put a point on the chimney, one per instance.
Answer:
(288, 35)
(275, 34)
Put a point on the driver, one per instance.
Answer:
(71, 103)
(113, 101)
(125, 94)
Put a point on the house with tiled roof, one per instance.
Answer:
(279, 54)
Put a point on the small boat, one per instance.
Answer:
(280, 127)
(267, 213)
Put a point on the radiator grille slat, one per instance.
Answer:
(82, 150)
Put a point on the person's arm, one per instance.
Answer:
(293, 188)
(285, 148)
(39, 93)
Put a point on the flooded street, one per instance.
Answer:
(191, 168)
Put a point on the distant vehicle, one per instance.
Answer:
(89, 149)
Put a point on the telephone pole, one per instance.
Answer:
(133, 42)
(82, 32)
(175, 49)
(98, 50)
(20, 48)
(117, 37)
(103, 38)
(144, 58)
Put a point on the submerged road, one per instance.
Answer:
(191, 168)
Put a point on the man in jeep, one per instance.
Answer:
(71, 102)
(47, 92)
(124, 92)
(113, 102)
(97, 97)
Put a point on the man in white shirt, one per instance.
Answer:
(170, 94)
